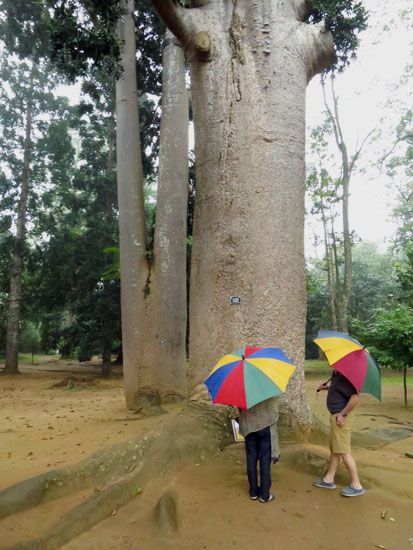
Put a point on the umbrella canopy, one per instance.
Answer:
(347, 356)
(248, 376)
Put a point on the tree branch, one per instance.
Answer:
(182, 22)
(176, 18)
(302, 8)
(330, 114)
(317, 48)
(358, 151)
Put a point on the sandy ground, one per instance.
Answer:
(43, 427)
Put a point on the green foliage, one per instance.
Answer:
(71, 32)
(390, 336)
(399, 167)
(317, 310)
(28, 87)
(112, 271)
(79, 38)
(78, 299)
(404, 272)
(346, 19)
(375, 284)
(30, 340)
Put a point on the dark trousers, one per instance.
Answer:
(258, 449)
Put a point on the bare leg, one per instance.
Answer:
(332, 467)
(351, 466)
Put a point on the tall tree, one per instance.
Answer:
(347, 165)
(250, 63)
(162, 363)
(323, 195)
(154, 285)
(28, 114)
(132, 229)
(79, 215)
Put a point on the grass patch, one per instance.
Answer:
(25, 358)
(393, 378)
(315, 365)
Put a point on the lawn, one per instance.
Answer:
(388, 376)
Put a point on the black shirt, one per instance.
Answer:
(339, 393)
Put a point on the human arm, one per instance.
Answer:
(324, 385)
(275, 448)
(352, 402)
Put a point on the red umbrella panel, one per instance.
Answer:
(347, 356)
(248, 376)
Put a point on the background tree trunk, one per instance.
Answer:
(107, 318)
(15, 294)
(163, 349)
(343, 284)
(132, 232)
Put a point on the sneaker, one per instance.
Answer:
(324, 484)
(351, 491)
(254, 498)
(269, 499)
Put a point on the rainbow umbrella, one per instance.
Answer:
(248, 376)
(347, 356)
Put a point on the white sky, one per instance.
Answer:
(363, 90)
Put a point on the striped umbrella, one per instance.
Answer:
(347, 356)
(248, 376)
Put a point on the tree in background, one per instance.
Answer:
(69, 236)
(389, 331)
(322, 189)
(375, 282)
(390, 339)
(30, 115)
(375, 285)
(331, 199)
(80, 219)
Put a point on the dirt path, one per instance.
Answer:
(215, 513)
(44, 428)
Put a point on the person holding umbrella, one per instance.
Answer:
(258, 425)
(342, 398)
(354, 371)
(250, 379)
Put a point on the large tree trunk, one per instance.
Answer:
(153, 291)
(249, 113)
(165, 306)
(15, 294)
(132, 232)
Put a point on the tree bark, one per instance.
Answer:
(248, 97)
(15, 294)
(132, 231)
(405, 385)
(165, 303)
(107, 316)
